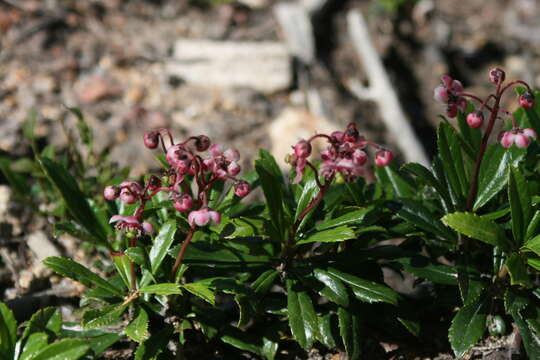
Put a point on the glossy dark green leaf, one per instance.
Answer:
(263, 283)
(471, 137)
(334, 289)
(422, 267)
(202, 291)
(155, 345)
(8, 331)
(351, 218)
(492, 177)
(350, 332)
(309, 192)
(241, 340)
(412, 326)
(336, 234)
(468, 326)
(518, 270)
(123, 266)
(515, 303)
(426, 176)
(34, 344)
(533, 226)
(269, 348)
(452, 160)
(67, 349)
(74, 199)
(388, 175)
(136, 255)
(162, 243)
(102, 316)
(137, 330)
(533, 245)
(326, 335)
(161, 289)
(478, 228)
(365, 290)
(520, 204)
(47, 320)
(302, 317)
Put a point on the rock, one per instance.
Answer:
(264, 66)
(297, 29)
(5, 195)
(41, 246)
(97, 88)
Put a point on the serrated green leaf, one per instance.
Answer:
(349, 330)
(74, 199)
(67, 349)
(161, 289)
(76, 271)
(136, 255)
(334, 289)
(517, 270)
(337, 234)
(302, 317)
(47, 320)
(351, 218)
(34, 344)
(100, 343)
(241, 340)
(520, 204)
(468, 326)
(478, 228)
(422, 267)
(365, 290)
(492, 176)
(162, 243)
(123, 266)
(389, 175)
(137, 330)
(426, 176)
(201, 291)
(8, 331)
(103, 316)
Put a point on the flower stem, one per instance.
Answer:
(182, 252)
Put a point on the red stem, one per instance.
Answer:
(182, 251)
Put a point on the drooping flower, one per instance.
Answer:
(449, 93)
(131, 222)
(203, 216)
(520, 137)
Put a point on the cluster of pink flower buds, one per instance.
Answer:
(451, 93)
(344, 155)
(219, 164)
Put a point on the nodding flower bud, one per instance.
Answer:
(302, 149)
(179, 158)
(526, 100)
(383, 157)
(203, 216)
(111, 192)
(496, 75)
(241, 188)
(153, 183)
(520, 137)
(183, 203)
(351, 133)
(130, 192)
(359, 158)
(151, 139)
(202, 143)
(475, 119)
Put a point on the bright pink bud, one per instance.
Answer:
(130, 192)
(507, 139)
(203, 216)
(475, 119)
(440, 94)
(383, 157)
(148, 228)
(179, 158)
(496, 75)
(233, 168)
(151, 140)
(202, 143)
(231, 154)
(216, 150)
(302, 149)
(111, 192)
(526, 100)
(521, 140)
(530, 133)
(183, 203)
(241, 188)
(359, 157)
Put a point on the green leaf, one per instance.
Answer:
(326, 336)
(422, 267)
(136, 255)
(515, 302)
(425, 175)
(151, 348)
(201, 291)
(309, 192)
(492, 176)
(412, 326)
(452, 161)
(162, 243)
(100, 343)
(351, 218)
(47, 320)
(350, 332)
(123, 265)
(367, 291)
(74, 199)
(337, 234)
(34, 344)
(415, 212)
(532, 227)
(533, 245)
(263, 283)
(17, 182)
(478, 228)
(468, 326)
(102, 316)
(518, 270)
(137, 330)
(161, 289)
(302, 317)
(240, 340)
(389, 175)
(269, 348)
(520, 204)
(76, 271)
(471, 137)
(334, 289)
(67, 349)
(8, 331)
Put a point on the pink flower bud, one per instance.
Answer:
(241, 188)
(530, 133)
(507, 139)
(111, 192)
(203, 216)
(452, 110)
(231, 154)
(475, 119)
(456, 87)
(179, 158)
(521, 140)
(300, 168)
(359, 157)
(383, 157)
(148, 228)
(302, 149)
(202, 143)
(216, 150)
(130, 192)
(233, 168)
(526, 100)
(151, 140)
(496, 75)
(183, 203)
(351, 133)
(440, 94)
(338, 135)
